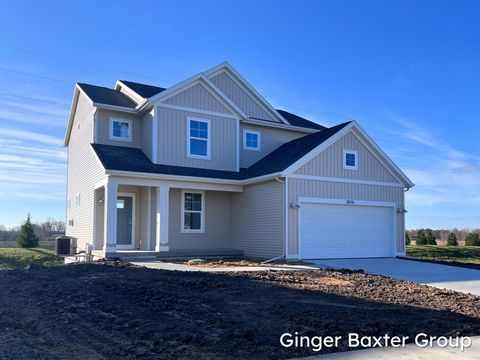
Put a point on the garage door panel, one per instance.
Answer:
(342, 231)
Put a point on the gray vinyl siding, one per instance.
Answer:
(79, 180)
(99, 219)
(146, 126)
(270, 139)
(198, 97)
(332, 190)
(103, 125)
(172, 140)
(330, 162)
(240, 97)
(258, 220)
(217, 223)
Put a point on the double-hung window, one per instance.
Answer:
(120, 129)
(193, 209)
(350, 160)
(251, 140)
(198, 138)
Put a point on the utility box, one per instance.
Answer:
(64, 246)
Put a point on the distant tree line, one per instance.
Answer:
(46, 230)
(450, 237)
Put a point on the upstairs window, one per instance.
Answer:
(77, 200)
(350, 160)
(198, 138)
(251, 140)
(120, 129)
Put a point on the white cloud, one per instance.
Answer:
(32, 136)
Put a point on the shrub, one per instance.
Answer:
(431, 239)
(27, 238)
(452, 240)
(407, 238)
(472, 239)
(421, 238)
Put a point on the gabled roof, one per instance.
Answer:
(134, 160)
(103, 95)
(143, 90)
(299, 121)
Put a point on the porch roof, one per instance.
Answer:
(130, 159)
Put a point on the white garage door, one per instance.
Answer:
(345, 231)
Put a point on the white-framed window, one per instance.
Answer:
(193, 211)
(120, 129)
(251, 140)
(198, 138)
(350, 160)
(77, 200)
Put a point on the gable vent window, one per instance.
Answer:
(350, 160)
(251, 140)
(120, 129)
(198, 138)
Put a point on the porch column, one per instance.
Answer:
(110, 222)
(161, 243)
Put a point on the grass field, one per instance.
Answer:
(464, 254)
(45, 244)
(16, 258)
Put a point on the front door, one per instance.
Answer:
(125, 224)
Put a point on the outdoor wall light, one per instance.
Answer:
(402, 211)
(295, 205)
(351, 202)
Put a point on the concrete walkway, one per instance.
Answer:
(163, 265)
(409, 352)
(441, 276)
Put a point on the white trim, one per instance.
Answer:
(287, 254)
(240, 80)
(182, 213)
(350, 167)
(155, 137)
(110, 217)
(195, 110)
(114, 119)
(129, 92)
(209, 139)
(162, 218)
(237, 145)
(134, 204)
(149, 218)
(115, 108)
(343, 180)
(314, 200)
(254, 132)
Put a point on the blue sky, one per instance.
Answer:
(407, 71)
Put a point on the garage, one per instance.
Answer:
(330, 229)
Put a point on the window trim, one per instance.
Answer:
(349, 167)
(209, 142)
(118, 138)
(182, 213)
(248, 131)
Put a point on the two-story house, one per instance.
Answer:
(208, 166)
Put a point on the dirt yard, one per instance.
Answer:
(112, 311)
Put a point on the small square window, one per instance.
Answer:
(251, 140)
(350, 159)
(121, 129)
(120, 204)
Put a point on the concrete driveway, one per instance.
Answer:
(440, 276)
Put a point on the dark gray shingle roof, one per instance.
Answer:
(103, 95)
(296, 120)
(143, 90)
(130, 159)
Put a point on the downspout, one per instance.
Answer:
(277, 178)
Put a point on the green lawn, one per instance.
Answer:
(17, 258)
(465, 254)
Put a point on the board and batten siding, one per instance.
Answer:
(258, 220)
(333, 190)
(79, 180)
(103, 128)
(172, 140)
(330, 162)
(217, 223)
(198, 97)
(240, 97)
(270, 139)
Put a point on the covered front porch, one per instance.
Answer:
(137, 217)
